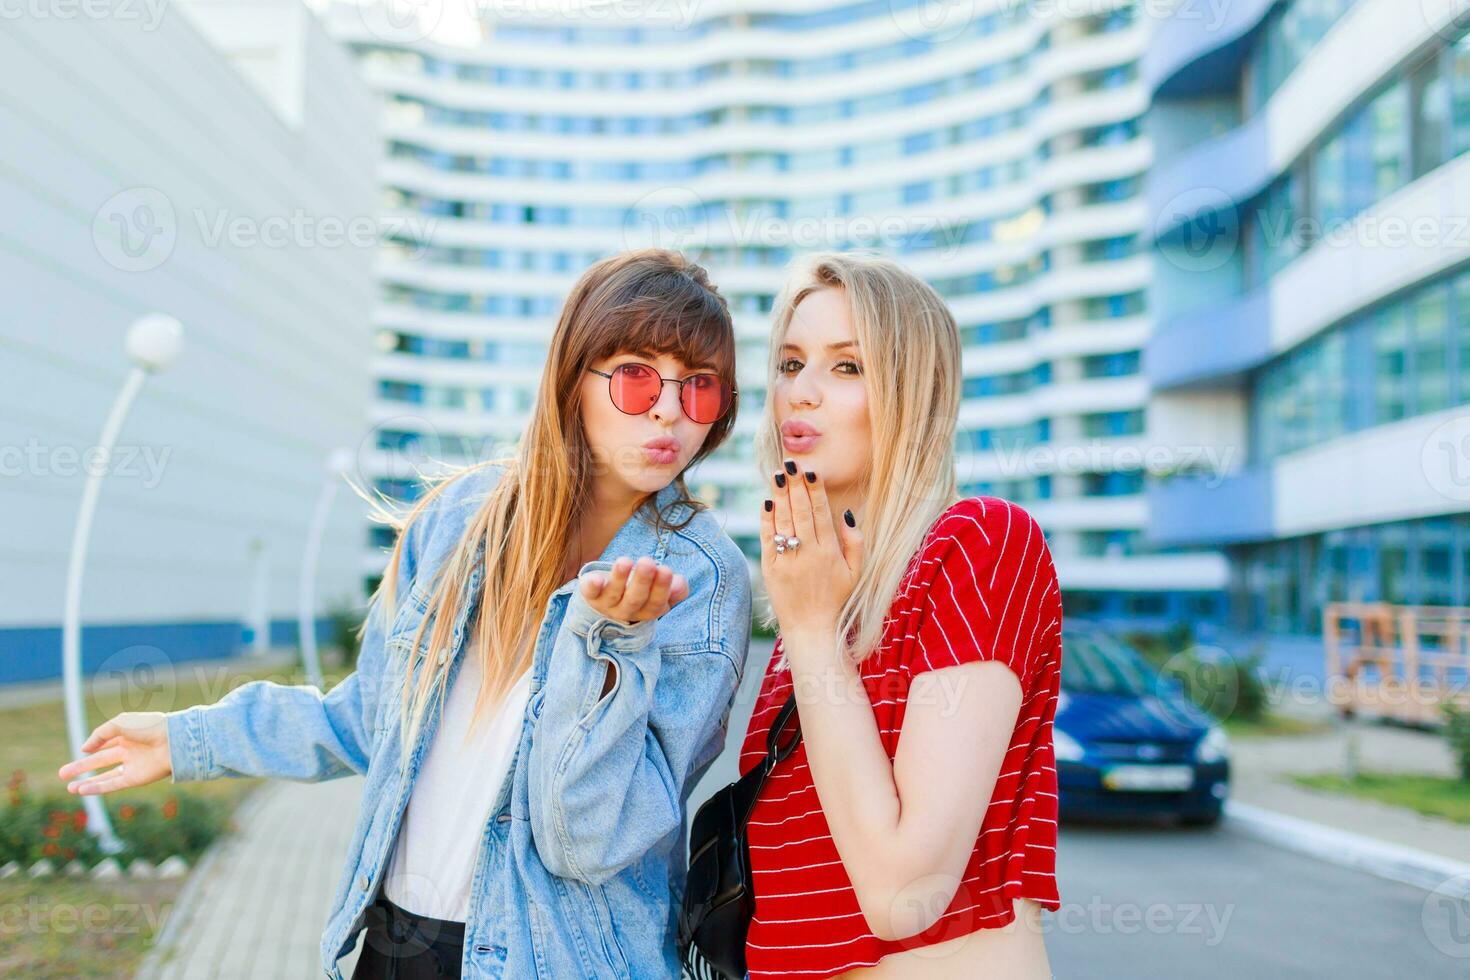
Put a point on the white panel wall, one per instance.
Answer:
(120, 123)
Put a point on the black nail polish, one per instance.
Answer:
(769, 505)
(781, 479)
(811, 477)
(791, 467)
(847, 516)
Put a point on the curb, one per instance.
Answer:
(1407, 865)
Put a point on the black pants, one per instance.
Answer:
(398, 945)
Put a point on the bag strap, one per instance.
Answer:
(779, 746)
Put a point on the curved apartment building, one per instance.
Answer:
(995, 148)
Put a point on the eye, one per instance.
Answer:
(857, 369)
(786, 365)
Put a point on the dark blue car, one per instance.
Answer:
(1129, 743)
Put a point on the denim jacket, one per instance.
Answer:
(582, 856)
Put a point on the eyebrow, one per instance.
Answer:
(653, 356)
(837, 346)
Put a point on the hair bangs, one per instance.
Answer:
(671, 314)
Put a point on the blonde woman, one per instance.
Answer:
(912, 833)
(545, 672)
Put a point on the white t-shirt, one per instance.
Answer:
(444, 823)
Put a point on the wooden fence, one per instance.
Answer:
(1400, 662)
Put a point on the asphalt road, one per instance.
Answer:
(1174, 903)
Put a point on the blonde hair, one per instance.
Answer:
(910, 347)
(653, 301)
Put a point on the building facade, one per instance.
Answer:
(995, 148)
(210, 161)
(1313, 295)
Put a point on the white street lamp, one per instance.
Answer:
(338, 466)
(153, 343)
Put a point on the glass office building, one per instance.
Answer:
(995, 148)
(1313, 296)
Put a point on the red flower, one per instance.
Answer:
(79, 820)
(171, 808)
(52, 832)
(125, 811)
(49, 849)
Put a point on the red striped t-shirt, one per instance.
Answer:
(981, 587)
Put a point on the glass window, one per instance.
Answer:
(1461, 287)
(1460, 96)
(1431, 351)
(1388, 115)
(1390, 387)
(1436, 562)
(1429, 102)
(1393, 562)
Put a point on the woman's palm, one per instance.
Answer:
(134, 744)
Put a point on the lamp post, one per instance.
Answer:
(153, 343)
(338, 466)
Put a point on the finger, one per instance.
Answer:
(678, 591)
(658, 593)
(854, 545)
(108, 782)
(768, 531)
(779, 493)
(617, 582)
(593, 584)
(107, 730)
(639, 583)
(801, 507)
(816, 489)
(90, 763)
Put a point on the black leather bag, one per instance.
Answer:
(719, 898)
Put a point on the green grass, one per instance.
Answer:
(1433, 796)
(1273, 725)
(64, 927)
(61, 928)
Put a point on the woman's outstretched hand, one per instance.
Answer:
(809, 585)
(634, 592)
(137, 741)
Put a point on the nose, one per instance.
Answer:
(803, 390)
(667, 409)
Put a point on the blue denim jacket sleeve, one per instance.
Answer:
(296, 732)
(609, 773)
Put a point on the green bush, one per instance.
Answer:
(54, 826)
(1224, 685)
(345, 623)
(1457, 730)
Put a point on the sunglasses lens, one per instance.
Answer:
(634, 388)
(706, 398)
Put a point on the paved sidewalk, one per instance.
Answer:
(256, 906)
(1261, 770)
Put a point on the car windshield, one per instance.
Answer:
(1096, 663)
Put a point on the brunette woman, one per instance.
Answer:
(545, 672)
